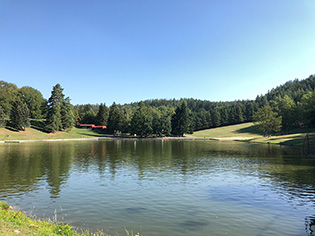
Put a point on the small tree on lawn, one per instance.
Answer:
(267, 120)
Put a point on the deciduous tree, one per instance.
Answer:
(141, 121)
(33, 99)
(286, 108)
(8, 94)
(308, 105)
(267, 120)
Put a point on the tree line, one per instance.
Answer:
(288, 106)
(285, 107)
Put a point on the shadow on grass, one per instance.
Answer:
(11, 129)
(251, 130)
(94, 134)
(301, 130)
(38, 125)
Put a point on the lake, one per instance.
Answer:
(163, 187)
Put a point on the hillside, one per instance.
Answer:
(249, 132)
(34, 134)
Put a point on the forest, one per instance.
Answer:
(281, 109)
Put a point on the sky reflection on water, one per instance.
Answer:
(158, 187)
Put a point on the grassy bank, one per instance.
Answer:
(238, 132)
(34, 134)
(249, 132)
(241, 132)
(17, 223)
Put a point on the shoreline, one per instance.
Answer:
(221, 139)
(128, 138)
(241, 133)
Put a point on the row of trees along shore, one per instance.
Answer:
(283, 108)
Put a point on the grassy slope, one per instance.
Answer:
(246, 131)
(34, 134)
(250, 132)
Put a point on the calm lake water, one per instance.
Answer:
(157, 187)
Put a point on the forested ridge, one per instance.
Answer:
(282, 108)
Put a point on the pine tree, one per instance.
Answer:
(2, 118)
(102, 115)
(249, 111)
(59, 114)
(53, 120)
(115, 119)
(180, 120)
(216, 118)
(67, 117)
(239, 118)
(19, 115)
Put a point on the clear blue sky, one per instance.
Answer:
(132, 50)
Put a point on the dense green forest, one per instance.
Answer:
(283, 108)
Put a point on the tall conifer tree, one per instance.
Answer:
(67, 117)
(115, 119)
(180, 120)
(59, 114)
(2, 117)
(102, 115)
(20, 115)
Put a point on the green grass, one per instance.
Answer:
(4, 206)
(18, 223)
(246, 130)
(35, 134)
(15, 222)
(250, 132)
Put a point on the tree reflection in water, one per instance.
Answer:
(309, 225)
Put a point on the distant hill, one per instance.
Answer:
(294, 89)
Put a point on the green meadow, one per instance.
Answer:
(250, 132)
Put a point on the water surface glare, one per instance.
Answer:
(163, 187)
